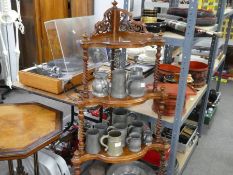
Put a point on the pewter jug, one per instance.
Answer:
(136, 83)
(114, 146)
(100, 85)
(92, 141)
(135, 71)
(118, 87)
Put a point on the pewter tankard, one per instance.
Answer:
(92, 141)
(114, 146)
(118, 87)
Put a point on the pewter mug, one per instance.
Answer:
(100, 85)
(136, 83)
(123, 128)
(102, 127)
(136, 126)
(92, 145)
(118, 86)
(114, 146)
(134, 142)
(122, 115)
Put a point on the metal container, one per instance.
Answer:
(123, 128)
(122, 115)
(114, 146)
(134, 142)
(100, 85)
(92, 145)
(118, 87)
(136, 83)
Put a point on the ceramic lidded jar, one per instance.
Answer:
(136, 83)
(199, 72)
(100, 85)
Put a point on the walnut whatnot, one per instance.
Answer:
(119, 30)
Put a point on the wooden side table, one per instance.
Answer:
(25, 129)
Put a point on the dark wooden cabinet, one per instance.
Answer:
(34, 45)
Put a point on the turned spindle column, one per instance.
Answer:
(81, 144)
(159, 108)
(85, 67)
(162, 168)
(156, 70)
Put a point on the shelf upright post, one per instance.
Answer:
(126, 7)
(187, 46)
(168, 54)
(211, 61)
(224, 52)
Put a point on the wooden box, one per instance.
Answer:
(49, 84)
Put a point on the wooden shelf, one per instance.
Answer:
(183, 158)
(115, 102)
(125, 157)
(124, 40)
(146, 108)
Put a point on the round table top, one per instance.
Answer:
(26, 128)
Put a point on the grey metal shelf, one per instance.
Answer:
(168, 121)
(183, 158)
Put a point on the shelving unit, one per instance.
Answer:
(186, 42)
(119, 30)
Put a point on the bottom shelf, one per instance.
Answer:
(183, 158)
(125, 157)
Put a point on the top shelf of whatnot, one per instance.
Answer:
(118, 29)
(123, 40)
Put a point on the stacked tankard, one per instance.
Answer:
(126, 131)
(121, 85)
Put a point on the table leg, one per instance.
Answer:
(10, 166)
(36, 164)
(73, 114)
(20, 168)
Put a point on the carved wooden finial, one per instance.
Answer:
(114, 3)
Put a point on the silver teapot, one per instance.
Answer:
(100, 86)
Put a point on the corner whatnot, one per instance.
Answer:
(119, 30)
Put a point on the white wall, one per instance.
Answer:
(102, 5)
